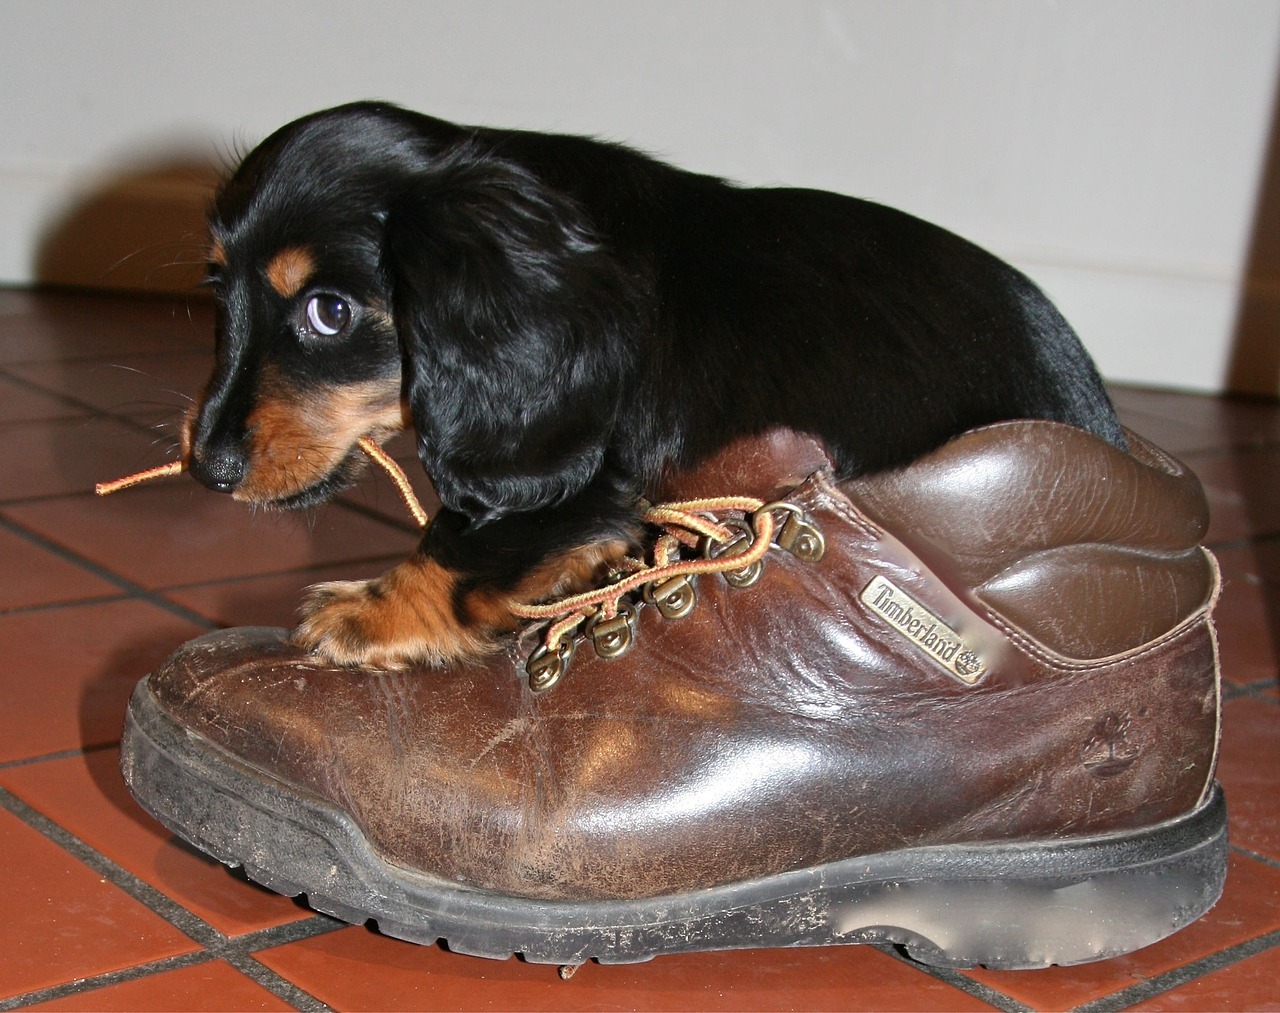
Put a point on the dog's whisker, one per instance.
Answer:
(172, 448)
(169, 407)
(150, 248)
(130, 369)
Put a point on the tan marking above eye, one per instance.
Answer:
(218, 253)
(290, 269)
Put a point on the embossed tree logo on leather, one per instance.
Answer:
(1112, 747)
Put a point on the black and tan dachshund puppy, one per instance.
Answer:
(561, 320)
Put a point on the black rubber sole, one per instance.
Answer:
(1019, 905)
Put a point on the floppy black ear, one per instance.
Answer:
(513, 319)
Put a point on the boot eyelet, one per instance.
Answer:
(546, 668)
(674, 597)
(797, 535)
(614, 635)
(736, 546)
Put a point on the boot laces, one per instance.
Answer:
(694, 541)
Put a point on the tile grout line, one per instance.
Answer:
(1181, 975)
(93, 412)
(310, 517)
(71, 556)
(53, 606)
(181, 344)
(190, 925)
(237, 958)
(240, 954)
(130, 592)
(957, 979)
(90, 412)
(213, 944)
(1255, 856)
(1254, 689)
(948, 975)
(290, 572)
(117, 977)
(1244, 541)
(134, 590)
(77, 410)
(242, 958)
(61, 754)
(374, 514)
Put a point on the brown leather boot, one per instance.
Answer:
(970, 707)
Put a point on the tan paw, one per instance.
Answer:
(402, 618)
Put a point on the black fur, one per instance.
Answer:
(571, 317)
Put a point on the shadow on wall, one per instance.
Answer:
(140, 230)
(1254, 367)
(143, 229)
(1254, 370)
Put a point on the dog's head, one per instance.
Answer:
(372, 267)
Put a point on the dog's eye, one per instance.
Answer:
(328, 315)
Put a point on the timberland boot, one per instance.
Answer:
(969, 707)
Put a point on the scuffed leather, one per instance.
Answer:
(1090, 550)
(784, 725)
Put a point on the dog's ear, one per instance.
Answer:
(515, 323)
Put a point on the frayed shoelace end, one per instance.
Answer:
(162, 471)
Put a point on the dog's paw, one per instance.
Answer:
(405, 617)
(341, 622)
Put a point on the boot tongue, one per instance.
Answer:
(764, 466)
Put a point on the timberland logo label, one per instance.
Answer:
(938, 641)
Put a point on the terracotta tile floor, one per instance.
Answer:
(104, 910)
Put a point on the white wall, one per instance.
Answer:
(1112, 150)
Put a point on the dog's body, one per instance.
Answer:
(565, 319)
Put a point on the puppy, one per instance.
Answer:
(561, 320)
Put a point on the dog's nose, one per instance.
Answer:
(220, 468)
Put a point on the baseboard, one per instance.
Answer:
(1153, 329)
